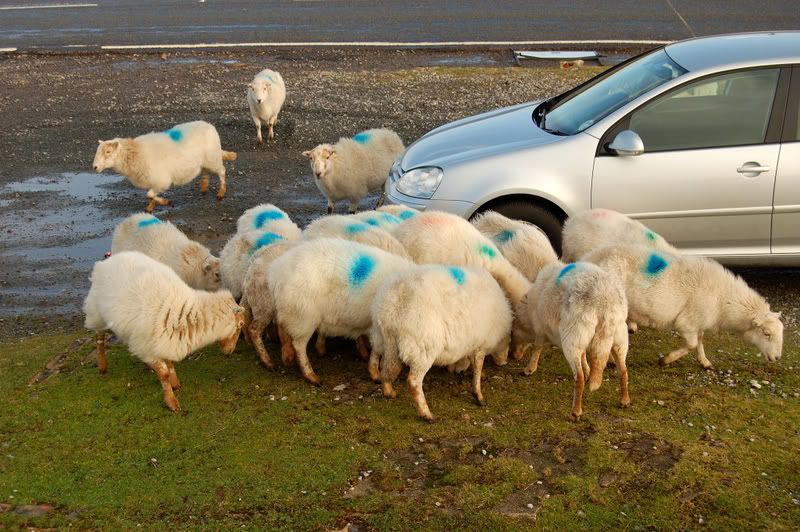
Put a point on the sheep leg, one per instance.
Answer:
(701, 354)
(533, 363)
(330, 207)
(155, 199)
(162, 370)
(580, 382)
(374, 366)
(223, 186)
(632, 326)
(362, 346)
(353, 207)
(691, 344)
(174, 381)
(204, 183)
(100, 345)
(287, 350)
(519, 351)
(415, 377)
(259, 138)
(320, 345)
(272, 122)
(254, 332)
(390, 369)
(477, 369)
(300, 345)
(585, 366)
(624, 398)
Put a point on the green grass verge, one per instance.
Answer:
(264, 449)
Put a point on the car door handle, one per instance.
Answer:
(752, 169)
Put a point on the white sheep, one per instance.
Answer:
(164, 242)
(523, 244)
(384, 220)
(438, 316)
(400, 211)
(267, 217)
(589, 230)
(161, 319)
(265, 97)
(158, 160)
(354, 167)
(581, 309)
(327, 285)
(353, 229)
(691, 295)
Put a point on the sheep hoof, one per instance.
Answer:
(662, 361)
(429, 418)
(710, 367)
(625, 405)
(221, 196)
(480, 401)
(173, 404)
(528, 372)
(313, 379)
(374, 373)
(576, 417)
(260, 142)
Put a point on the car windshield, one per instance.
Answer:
(597, 100)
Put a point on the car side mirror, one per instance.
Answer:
(627, 142)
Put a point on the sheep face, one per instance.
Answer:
(211, 278)
(322, 159)
(106, 155)
(767, 335)
(259, 88)
(227, 345)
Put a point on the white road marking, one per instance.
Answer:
(4, 50)
(46, 6)
(378, 44)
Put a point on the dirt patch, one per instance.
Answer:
(649, 453)
(56, 365)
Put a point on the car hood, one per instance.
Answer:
(478, 136)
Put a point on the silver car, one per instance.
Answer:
(699, 140)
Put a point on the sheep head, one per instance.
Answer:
(106, 154)
(259, 88)
(322, 159)
(766, 333)
(211, 276)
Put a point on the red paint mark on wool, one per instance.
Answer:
(434, 219)
(600, 213)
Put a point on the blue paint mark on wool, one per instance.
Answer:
(564, 271)
(458, 274)
(265, 216)
(487, 250)
(503, 236)
(649, 235)
(373, 222)
(355, 228)
(267, 239)
(655, 265)
(362, 138)
(174, 134)
(405, 215)
(360, 270)
(149, 221)
(389, 219)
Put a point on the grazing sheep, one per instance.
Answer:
(400, 211)
(161, 319)
(156, 161)
(327, 285)
(265, 97)
(351, 228)
(438, 316)
(691, 295)
(354, 167)
(581, 309)
(597, 228)
(164, 242)
(523, 244)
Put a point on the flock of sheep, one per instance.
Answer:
(419, 289)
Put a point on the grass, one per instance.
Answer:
(264, 449)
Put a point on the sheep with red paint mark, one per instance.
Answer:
(438, 315)
(581, 309)
(158, 160)
(691, 295)
(164, 242)
(523, 244)
(354, 167)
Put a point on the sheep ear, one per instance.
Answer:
(757, 322)
(99, 141)
(307, 153)
(251, 85)
(776, 315)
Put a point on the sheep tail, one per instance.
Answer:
(228, 155)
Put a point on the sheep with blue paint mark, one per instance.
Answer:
(383, 220)
(164, 242)
(158, 160)
(158, 316)
(354, 229)
(693, 296)
(438, 315)
(399, 211)
(581, 309)
(523, 244)
(354, 167)
(589, 230)
(327, 285)
(265, 97)
(267, 217)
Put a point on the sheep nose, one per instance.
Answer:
(318, 174)
(258, 100)
(96, 168)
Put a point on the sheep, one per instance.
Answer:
(351, 228)
(265, 97)
(523, 244)
(597, 228)
(691, 295)
(581, 309)
(158, 160)
(438, 315)
(259, 226)
(354, 167)
(161, 319)
(383, 220)
(327, 285)
(164, 242)
(400, 211)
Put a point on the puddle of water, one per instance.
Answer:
(80, 185)
(471, 60)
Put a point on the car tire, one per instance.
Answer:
(542, 218)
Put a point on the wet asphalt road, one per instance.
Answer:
(143, 22)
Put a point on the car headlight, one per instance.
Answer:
(420, 182)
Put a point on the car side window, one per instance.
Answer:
(726, 110)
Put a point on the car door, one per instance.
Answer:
(706, 178)
(786, 216)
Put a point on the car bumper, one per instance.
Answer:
(461, 208)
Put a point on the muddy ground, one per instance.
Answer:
(56, 215)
